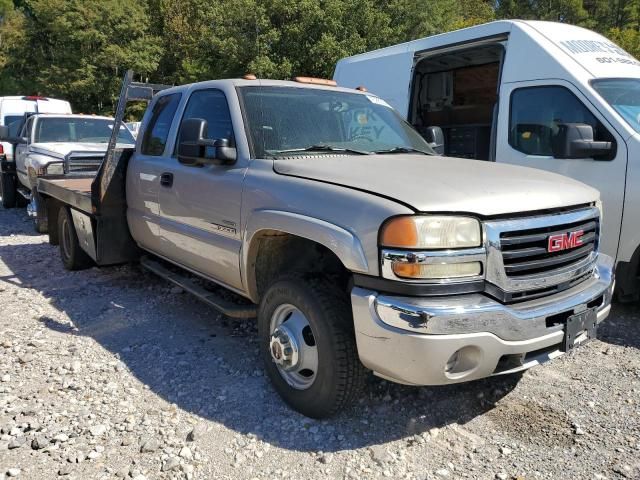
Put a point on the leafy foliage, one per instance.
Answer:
(78, 49)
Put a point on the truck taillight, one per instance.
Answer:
(1, 149)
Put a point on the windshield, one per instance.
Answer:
(624, 96)
(286, 120)
(78, 130)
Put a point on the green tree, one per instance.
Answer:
(421, 18)
(567, 11)
(277, 38)
(78, 49)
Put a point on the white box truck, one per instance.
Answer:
(540, 94)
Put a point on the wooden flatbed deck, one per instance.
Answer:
(75, 192)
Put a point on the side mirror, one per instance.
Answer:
(435, 137)
(575, 140)
(5, 136)
(194, 148)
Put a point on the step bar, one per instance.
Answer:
(222, 305)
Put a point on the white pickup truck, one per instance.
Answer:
(353, 252)
(55, 145)
(13, 109)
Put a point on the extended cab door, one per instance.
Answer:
(144, 169)
(530, 113)
(21, 151)
(200, 205)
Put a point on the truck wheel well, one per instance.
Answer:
(274, 253)
(628, 279)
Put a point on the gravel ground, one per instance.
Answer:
(112, 373)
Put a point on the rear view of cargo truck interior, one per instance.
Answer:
(457, 91)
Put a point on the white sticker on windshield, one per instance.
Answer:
(378, 101)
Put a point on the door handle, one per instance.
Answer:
(166, 179)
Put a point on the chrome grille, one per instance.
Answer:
(82, 163)
(526, 252)
(518, 260)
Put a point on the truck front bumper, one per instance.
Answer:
(443, 340)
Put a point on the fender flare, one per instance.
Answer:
(33, 161)
(343, 243)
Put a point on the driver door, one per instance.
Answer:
(21, 151)
(200, 205)
(529, 115)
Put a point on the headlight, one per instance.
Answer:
(431, 232)
(54, 169)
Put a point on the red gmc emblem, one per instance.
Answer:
(565, 241)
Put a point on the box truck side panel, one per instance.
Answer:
(596, 54)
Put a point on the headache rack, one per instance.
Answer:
(101, 198)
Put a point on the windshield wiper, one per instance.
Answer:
(404, 150)
(321, 148)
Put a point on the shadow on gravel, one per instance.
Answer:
(206, 364)
(622, 327)
(16, 222)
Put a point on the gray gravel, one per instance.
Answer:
(111, 373)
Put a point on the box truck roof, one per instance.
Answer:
(535, 50)
(17, 106)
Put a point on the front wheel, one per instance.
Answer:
(40, 211)
(308, 345)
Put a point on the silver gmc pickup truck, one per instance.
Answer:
(335, 224)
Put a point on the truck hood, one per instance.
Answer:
(443, 184)
(60, 149)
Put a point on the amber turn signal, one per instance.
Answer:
(435, 271)
(400, 232)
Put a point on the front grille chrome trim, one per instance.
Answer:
(432, 257)
(496, 272)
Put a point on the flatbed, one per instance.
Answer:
(71, 191)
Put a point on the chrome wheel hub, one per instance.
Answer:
(293, 347)
(284, 349)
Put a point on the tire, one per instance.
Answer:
(21, 202)
(72, 255)
(626, 298)
(339, 376)
(9, 192)
(40, 221)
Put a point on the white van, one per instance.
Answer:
(12, 110)
(540, 94)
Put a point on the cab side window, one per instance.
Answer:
(536, 113)
(157, 131)
(211, 105)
